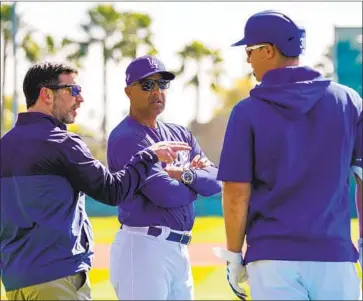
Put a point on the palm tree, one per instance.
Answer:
(216, 71)
(120, 35)
(196, 51)
(29, 48)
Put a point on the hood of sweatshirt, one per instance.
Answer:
(292, 90)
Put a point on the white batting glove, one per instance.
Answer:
(236, 271)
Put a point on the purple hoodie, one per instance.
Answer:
(295, 139)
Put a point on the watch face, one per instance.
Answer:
(187, 176)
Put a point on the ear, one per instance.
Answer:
(270, 51)
(128, 92)
(46, 95)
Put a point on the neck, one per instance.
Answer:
(39, 109)
(146, 121)
(282, 63)
(288, 62)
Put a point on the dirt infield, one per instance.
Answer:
(200, 253)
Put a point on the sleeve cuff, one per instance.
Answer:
(154, 157)
(146, 155)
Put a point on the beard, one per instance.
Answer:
(66, 117)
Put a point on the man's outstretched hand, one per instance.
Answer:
(167, 151)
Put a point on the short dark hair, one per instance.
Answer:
(40, 75)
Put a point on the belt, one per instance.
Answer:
(184, 239)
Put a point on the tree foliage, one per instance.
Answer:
(120, 34)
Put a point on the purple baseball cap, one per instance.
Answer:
(276, 28)
(145, 66)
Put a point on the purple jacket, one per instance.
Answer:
(45, 173)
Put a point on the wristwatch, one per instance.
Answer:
(187, 176)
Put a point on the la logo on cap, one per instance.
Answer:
(152, 63)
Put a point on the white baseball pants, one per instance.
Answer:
(303, 280)
(143, 267)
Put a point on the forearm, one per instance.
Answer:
(206, 183)
(235, 198)
(164, 188)
(111, 189)
(169, 194)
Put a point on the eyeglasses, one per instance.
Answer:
(74, 89)
(149, 84)
(253, 47)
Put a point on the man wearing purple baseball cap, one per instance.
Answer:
(288, 151)
(271, 27)
(145, 66)
(149, 257)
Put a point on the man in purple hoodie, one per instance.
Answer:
(149, 257)
(288, 151)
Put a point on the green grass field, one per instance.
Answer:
(210, 281)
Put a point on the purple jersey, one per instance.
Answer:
(161, 200)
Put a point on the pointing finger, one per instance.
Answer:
(179, 147)
(176, 142)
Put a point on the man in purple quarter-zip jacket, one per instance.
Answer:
(287, 154)
(45, 237)
(149, 257)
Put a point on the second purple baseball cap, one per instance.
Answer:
(145, 66)
(276, 28)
